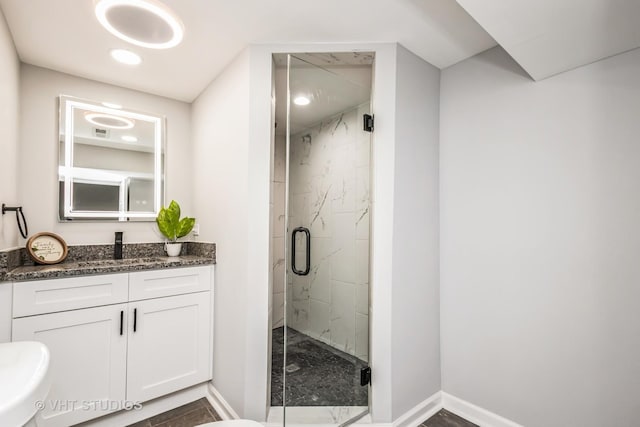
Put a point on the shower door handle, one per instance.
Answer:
(293, 251)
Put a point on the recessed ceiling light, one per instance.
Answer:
(301, 100)
(129, 138)
(112, 105)
(109, 121)
(126, 56)
(145, 23)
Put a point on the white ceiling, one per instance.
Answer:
(547, 37)
(64, 35)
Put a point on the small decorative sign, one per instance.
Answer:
(47, 248)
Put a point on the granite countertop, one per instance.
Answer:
(88, 260)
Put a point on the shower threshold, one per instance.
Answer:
(318, 415)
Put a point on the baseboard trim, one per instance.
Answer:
(421, 412)
(473, 413)
(221, 406)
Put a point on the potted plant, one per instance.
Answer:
(173, 228)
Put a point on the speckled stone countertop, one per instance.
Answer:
(86, 260)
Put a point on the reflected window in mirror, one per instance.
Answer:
(111, 162)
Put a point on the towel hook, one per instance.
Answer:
(19, 216)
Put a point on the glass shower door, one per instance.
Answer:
(326, 331)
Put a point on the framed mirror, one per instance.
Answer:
(111, 162)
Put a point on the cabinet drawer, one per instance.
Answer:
(49, 296)
(164, 283)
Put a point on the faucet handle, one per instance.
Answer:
(117, 247)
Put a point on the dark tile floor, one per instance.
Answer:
(445, 418)
(190, 415)
(317, 374)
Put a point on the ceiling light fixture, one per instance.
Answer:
(126, 56)
(129, 138)
(109, 121)
(144, 23)
(301, 100)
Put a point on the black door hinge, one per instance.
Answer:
(368, 122)
(365, 376)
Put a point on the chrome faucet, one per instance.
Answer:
(117, 249)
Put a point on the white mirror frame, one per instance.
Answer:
(67, 106)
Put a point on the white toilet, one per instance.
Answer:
(233, 423)
(24, 382)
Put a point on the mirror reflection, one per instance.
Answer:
(111, 162)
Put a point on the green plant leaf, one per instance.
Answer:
(185, 226)
(165, 225)
(173, 215)
(174, 208)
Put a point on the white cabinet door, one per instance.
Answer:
(169, 349)
(88, 361)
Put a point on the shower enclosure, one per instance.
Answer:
(321, 209)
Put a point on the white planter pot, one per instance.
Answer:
(173, 249)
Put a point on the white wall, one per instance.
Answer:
(382, 216)
(9, 93)
(220, 131)
(415, 336)
(94, 157)
(261, 147)
(540, 203)
(232, 127)
(38, 153)
(278, 261)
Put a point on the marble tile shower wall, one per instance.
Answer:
(278, 230)
(329, 194)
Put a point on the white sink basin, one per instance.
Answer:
(24, 380)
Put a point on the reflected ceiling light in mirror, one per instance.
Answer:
(144, 23)
(109, 121)
(112, 105)
(126, 56)
(129, 138)
(301, 100)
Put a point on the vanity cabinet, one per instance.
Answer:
(153, 338)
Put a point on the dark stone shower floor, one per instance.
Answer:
(317, 374)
